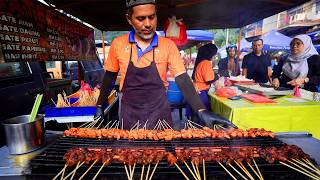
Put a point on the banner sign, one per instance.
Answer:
(32, 31)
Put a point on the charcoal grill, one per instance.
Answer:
(50, 162)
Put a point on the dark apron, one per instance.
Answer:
(144, 97)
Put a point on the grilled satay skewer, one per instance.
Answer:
(99, 171)
(311, 176)
(181, 171)
(154, 169)
(74, 171)
(237, 172)
(142, 171)
(88, 169)
(227, 170)
(204, 169)
(62, 170)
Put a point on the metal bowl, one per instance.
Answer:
(23, 136)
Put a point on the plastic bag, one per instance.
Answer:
(226, 92)
(220, 83)
(176, 31)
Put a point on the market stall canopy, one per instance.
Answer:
(274, 40)
(194, 38)
(109, 15)
(196, 35)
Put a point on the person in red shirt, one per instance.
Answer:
(142, 60)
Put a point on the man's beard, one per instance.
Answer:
(144, 37)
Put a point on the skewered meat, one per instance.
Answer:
(167, 134)
(143, 156)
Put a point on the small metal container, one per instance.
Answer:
(23, 136)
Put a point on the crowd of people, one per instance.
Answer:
(301, 67)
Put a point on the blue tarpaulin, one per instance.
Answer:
(274, 40)
(196, 35)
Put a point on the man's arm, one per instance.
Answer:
(244, 72)
(245, 66)
(106, 88)
(269, 71)
(112, 68)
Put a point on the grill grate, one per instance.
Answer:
(50, 162)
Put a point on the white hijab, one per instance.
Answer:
(296, 66)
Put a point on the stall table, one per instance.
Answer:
(289, 114)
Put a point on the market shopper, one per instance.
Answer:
(142, 59)
(229, 66)
(301, 67)
(203, 74)
(257, 65)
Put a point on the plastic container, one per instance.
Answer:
(52, 111)
(24, 136)
(174, 94)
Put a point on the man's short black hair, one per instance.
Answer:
(258, 39)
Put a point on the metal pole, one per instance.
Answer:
(239, 39)
(103, 48)
(227, 37)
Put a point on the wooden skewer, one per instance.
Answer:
(164, 125)
(257, 168)
(307, 166)
(145, 124)
(237, 172)
(74, 171)
(99, 125)
(154, 169)
(312, 165)
(313, 177)
(167, 124)
(246, 170)
(243, 169)
(99, 171)
(197, 168)
(107, 125)
(185, 176)
(88, 169)
(113, 124)
(161, 125)
(62, 170)
(303, 169)
(156, 125)
(195, 124)
(148, 172)
(84, 124)
(132, 172)
(194, 176)
(255, 172)
(141, 177)
(204, 169)
(62, 174)
(125, 167)
(227, 171)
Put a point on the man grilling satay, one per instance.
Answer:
(142, 59)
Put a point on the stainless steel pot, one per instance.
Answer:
(22, 136)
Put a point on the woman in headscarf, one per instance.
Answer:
(203, 74)
(301, 67)
(229, 66)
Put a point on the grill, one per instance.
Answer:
(50, 162)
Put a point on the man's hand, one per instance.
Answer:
(276, 82)
(210, 119)
(296, 82)
(99, 113)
